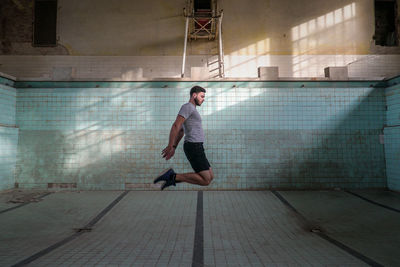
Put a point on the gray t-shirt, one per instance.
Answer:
(192, 125)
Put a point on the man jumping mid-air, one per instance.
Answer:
(188, 123)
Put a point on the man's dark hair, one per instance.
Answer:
(197, 89)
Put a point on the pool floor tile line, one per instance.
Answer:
(23, 204)
(351, 251)
(324, 236)
(253, 229)
(106, 210)
(198, 248)
(146, 227)
(371, 201)
(73, 236)
(47, 250)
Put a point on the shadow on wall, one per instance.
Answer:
(93, 159)
(298, 138)
(350, 155)
(97, 138)
(255, 137)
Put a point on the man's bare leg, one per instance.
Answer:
(201, 178)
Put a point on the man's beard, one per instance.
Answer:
(197, 102)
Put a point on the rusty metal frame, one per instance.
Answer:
(211, 35)
(214, 22)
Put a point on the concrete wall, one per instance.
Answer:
(392, 135)
(99, 135)
(301, 38)
(156, 28)
(8, 134)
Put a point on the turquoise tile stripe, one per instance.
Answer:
(210, 84)
(392, 81)
(6, 82)
(392, 136)
(256, 137)
(8, 136)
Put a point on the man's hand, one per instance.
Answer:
(168, 152)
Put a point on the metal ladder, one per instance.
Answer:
(204, 24)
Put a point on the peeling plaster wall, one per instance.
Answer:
(156, 28)
(130, 40)
(16, 30)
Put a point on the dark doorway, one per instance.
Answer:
(385, 27)
(202, 5)
(45, 23)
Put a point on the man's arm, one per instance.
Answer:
(178, 138)
(175, 136)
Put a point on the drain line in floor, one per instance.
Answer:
(23, 204)
(198, 248)
(338, 244)
(372, 202)
(72, 237)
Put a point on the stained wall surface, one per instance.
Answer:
(100, 135)
(99, 40)
(8, 133)
(156, 28)
(392, 135)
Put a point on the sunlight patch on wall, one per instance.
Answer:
(245, 61)
(93, 146)
(317, 35)
(222, 98)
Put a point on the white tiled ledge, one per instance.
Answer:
(161, 68)
(230, 79)
(10, 77)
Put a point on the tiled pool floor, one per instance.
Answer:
(200, 228)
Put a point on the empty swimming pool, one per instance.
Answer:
(82, 156)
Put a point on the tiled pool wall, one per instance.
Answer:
(392, 135)
(8, 134)
(259, 135)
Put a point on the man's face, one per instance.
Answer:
(199, 98)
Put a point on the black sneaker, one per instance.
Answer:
(168, 176)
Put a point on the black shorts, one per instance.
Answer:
(196, 156)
